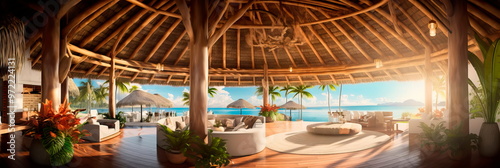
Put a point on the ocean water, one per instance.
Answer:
(316, 114)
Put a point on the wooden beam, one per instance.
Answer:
(330, 34)
(145, 39)
(102, 5)
(415, 24)
(389, 74)
(317, 79)
(276, 58)
(224, 51)
(370, 76)
(66, 7)
(487, 6)
(291, 58)
(186, 17)
(180, 56)
(378, 35)
(429, 14)
(304, 36)
(135, 76)
(106, 25)
(252, 56)
(91, 69)
(302, 55)
(352, 78)
(326, 45)
(140, 4)
(153, 77)
(354, 42)
(229, 22)
(478, 28)
(213, 25)
(481, 15)
(102, 71)
(238, 50)
(169, 78)
(300, 79)
(162, 40)
(174, 45)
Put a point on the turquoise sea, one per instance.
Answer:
(316, 114)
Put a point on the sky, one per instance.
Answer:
(352, 94)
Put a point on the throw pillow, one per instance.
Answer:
(251, 123)
(248, 119)
(241, 125)
(179, 125)
(210, 123)
(230, 123)
(238, 120)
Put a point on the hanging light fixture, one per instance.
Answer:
(432, 28)
(291, 69)
(378, 63)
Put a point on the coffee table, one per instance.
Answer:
(330, 128)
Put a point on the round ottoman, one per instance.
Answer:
(330, 128)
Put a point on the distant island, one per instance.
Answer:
(409, 102)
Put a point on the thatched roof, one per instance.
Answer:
(292, 105)
(339, 40)
(240, 103)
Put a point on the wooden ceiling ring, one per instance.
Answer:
(305, 4)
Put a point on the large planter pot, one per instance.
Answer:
(489, 138)
(38, 153)
(176, 157)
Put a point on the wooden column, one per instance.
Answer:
(112, 87)
(428, 82)
(457, 64)
(265, 87)
(51, 88)
(64, 90)
(198, 84)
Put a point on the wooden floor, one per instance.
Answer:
(136, 147)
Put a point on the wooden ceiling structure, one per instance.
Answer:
(336, 41)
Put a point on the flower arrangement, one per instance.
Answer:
(270, 111)
(57, 130)
(437, 114)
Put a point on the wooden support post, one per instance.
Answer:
(64, 90)
(457, 64)
(428, 81)
(51, 88)
(199, 68)
(265, 87)
(112, 87)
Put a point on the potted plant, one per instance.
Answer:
(177, 144)
(270, 112)
(433, 136)
(55, 134)
(487, 95)
(212, 154)
(459, 145)
(218, 126)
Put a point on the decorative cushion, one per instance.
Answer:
(240, 125)
(248, 119)
(230, 123)
(251, 123)
(179, 125)
(238, 120)
(210, 123)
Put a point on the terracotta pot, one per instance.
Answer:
(176, 157)
(38, 153)
(489, 136)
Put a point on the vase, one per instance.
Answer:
(38, 153)
(489, 136)
(176, 157)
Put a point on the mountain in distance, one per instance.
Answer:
(409, 102)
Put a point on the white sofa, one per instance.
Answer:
(103, 130)
(239, 143)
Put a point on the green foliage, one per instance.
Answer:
(218, 123)
(328, 88)
(120, 117)
(178, 140)
(64, 155)
(185, 98)
(456, 142)
(213, 154)
(433, 135)
(488, 97)
(273, 92)
(287, 90)
(212, 91)
(406, 115)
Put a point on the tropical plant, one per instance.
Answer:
(213, 154)
(87, 93)
(57, 130)
(270, 111)
(457, 143)
(273, 92)
(439, 87)
(489, 78)
(120, 117)
(212, 91)
(185, 98)
(433, 136)
(287, 90)
(218, 123)
(133, 88)
(100, 95)
(178, 141)
(328, 88)
(301, 91)
(121, 86)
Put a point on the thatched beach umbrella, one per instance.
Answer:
(291, 105)
(162, 101)
(72, 88)
(138, 97)
(11, 43)
(240, 103)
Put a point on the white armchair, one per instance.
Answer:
(102, 130)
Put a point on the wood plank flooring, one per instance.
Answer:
(136, 147)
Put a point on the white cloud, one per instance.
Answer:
(221, 99)
(255, 100)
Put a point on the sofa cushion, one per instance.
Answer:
(241, 125)
(179, 125)
(229, 123)
(251, 122)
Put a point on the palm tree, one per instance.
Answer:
(328, 88)
(100, 95)
(287, 89)
(273, 92)
(185, 98)
(301, 90)
(212, 91)
(439, 87)
(86, 93)
(121, 86)
(133, 88)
